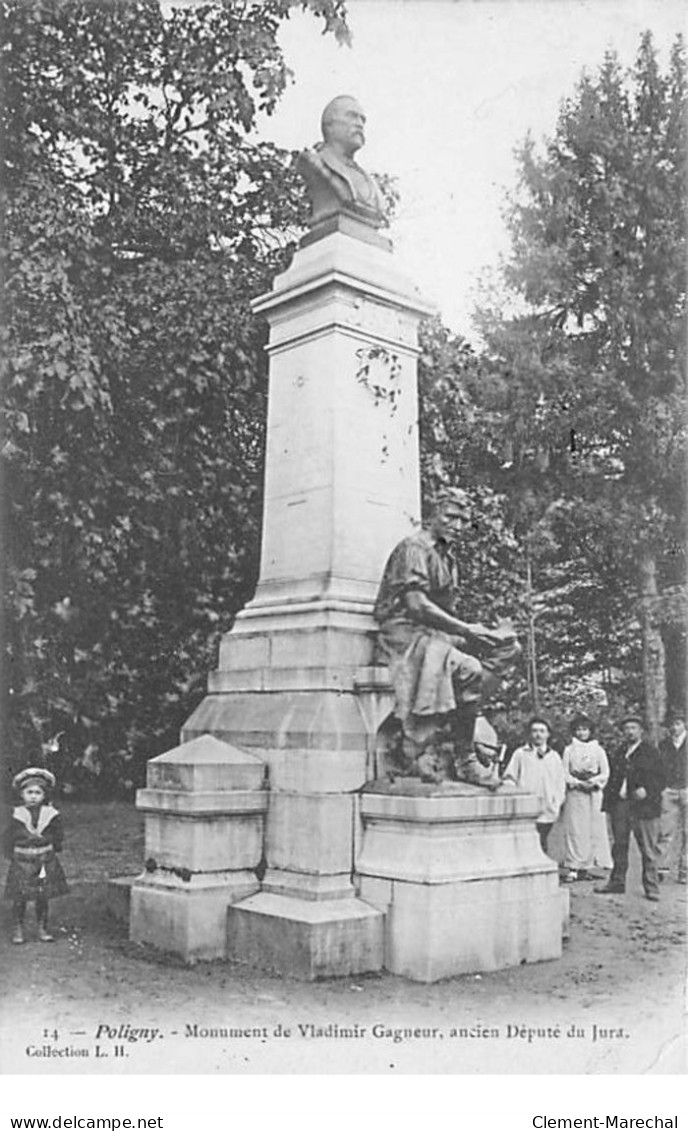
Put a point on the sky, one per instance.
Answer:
(450, 89)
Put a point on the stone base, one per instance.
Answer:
(304, 885)
(462, 879)
(441, 931)
(305, 939)
(187, 918)
(565, 895)
(119, 897)
(311, 741)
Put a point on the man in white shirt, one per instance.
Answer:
(538, 769)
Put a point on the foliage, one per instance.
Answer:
(586, 390)
(142, 217)
(571, 419)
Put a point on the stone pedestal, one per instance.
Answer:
(461, 878)
(341, 480)
(204, 809)
(304, 939)
(294, 685)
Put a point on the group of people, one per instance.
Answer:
(642, 790)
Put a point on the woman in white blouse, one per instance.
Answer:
(586, 770)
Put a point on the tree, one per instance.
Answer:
(454, 429)
(593, 365)
(142, 217)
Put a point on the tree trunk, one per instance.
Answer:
(531, 646)
(676, 653)
(654, 666)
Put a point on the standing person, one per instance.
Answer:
(538, 769)
(674, 817)
(633, 799)
(440, 665)
(586, 771)
(33, 839)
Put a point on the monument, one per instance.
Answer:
(353, 877)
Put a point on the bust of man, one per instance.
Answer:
(335, 182)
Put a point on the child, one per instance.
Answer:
(34, 838)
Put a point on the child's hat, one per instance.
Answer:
(34, 773)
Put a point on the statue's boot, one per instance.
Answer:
(467, 765)
(429, 770)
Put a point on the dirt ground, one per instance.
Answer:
(93, 1002)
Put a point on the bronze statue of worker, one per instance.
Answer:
(336, 183)
(441, 667)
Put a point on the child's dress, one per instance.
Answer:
(33, 841)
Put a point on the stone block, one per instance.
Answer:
(365, 270)
(332, 506)
(119, 897)
(186, 918)
(324, 677)
(334, 633)
(440, 931)
(305, 939)
(310, 833)
(376, 892)
(319, 646)
(234, 803)
(305, 885)
(316, 771)
(282, 720)
(204, 765)
(245, 651)
(565, 896)
(461, 875)
(204, 809)
(456, 833)
(206, 844)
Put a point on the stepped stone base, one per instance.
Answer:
(187, 918)
(461, 878)
(305, 939)
(204, 808)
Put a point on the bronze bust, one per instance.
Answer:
(336, 183)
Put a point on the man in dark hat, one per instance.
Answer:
(440, 665)
(674, 822)
(633, 799)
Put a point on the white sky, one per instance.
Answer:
(450, 87)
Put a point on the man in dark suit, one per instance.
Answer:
(674, 823)
(633, 799)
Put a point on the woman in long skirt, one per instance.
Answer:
(586, 769)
